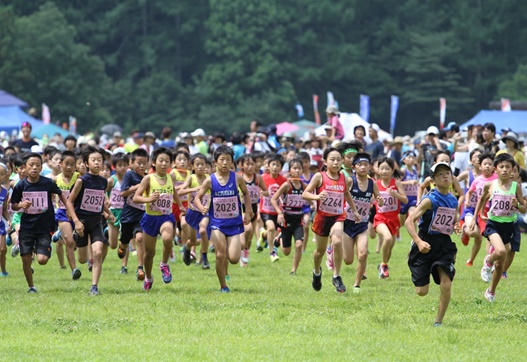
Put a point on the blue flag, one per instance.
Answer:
(393, 113)
(365, 107)
(299, 110)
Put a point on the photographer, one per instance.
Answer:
(427, 149)
(491, 144)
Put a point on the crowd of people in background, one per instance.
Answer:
(218, 193)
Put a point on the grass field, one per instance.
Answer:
(269, 315)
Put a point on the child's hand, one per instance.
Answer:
(25, 204)
(79, 228)
(514, 203)
(247, 218)
(471, 225)
(322, 196)
(423, 246)
(110, 217)
(154, 196)
(204, 210)
(391, 191)
(281, 219)
(457, 228)
(357, 216)
(380, 201)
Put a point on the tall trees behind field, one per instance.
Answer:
(218, 64)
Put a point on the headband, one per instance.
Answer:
(350, 150)
(361, 159)
(3, 165)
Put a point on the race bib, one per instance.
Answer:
(254, 193)
(411, 190)
(39, 201)
(130, 202)
(333, 203)
(502, 205)
(444, 220)
(226, 207)
(294, 201)
(163, 204)
(177, 184)
(390, 202)
(363, 208)
(92, 200)
(66, 194)
(116, 200)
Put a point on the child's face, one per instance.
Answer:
(121, 167)
(486, 167)
(199, 166)
(33, 167)
(224, 163)
(295, 170)
(3, 175)
(210, 169)
(333, 162)
(106, 172)
(409, 161)
(258, 163)
(22, 171)
(362, 168)
(385, 170)
(348, 159)
(248, 166)
(290, 155)
(275, 167)
(68, 166)
(81, 167)
(139, 165)
(181, 162)
(94, 163)
(474, 160)
(162, 163)
(305, 164)
(443, 158)
(443, 178)
(55, 162)
(504, 169)
(515, 174)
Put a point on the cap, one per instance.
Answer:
(117, 134)
(332, 109)
(511, 136)
(437, 165)
(199, 132)
(118, 150)
(521, 140)
(449, 126)
(432, 130)
(506, 129)
(313, 163)
(398, 139)
(220, 135)
(375, 127)
(138, 135)
(150, 134)
(36, 149)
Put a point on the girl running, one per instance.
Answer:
(5, 223)
(410, 182)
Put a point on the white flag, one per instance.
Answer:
(505, 105)
(46, 116)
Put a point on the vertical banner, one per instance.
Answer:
(442, 112)
(365, 107)
(73, 125)
(393, 113)
(331, 99)
(505, 105)
(315, 108)
(46, 116)
(299, 110)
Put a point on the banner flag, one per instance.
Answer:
(393, 113)
(315, 108)
(365, 107)
(46, 116)
(442, 112)
(299, 110)
(73, 125)
(505, 105)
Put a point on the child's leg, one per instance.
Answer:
(204, 223)
(113, 235)
(82, 253)
(234, 249)
(3, 253)
(445, 287)
(347, 249)
(220, 245)
(320, 250)
(336, 241)
(149, 243)
(67, 235)
(26, 266)
(508, 260)
(305, 222)
(249, 233)
(387, 242)
(271, 234)
(361, 242)
(140, 248)
(167, 235)
(299, 250)
(98, 250)
(498, 259)
(59, 250)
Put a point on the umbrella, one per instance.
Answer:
(111, 128)
(284, 127)
(50, 130)
(304, 127)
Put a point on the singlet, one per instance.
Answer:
(333, 204)
(192, 202)
(293, 201)
(254, 189)
(346, 171)
(440, 219)
(501, 208)
(116, 200)
(362, 200)
(410, 190)
(163, 205)
(180, 179)
(392, 206)
(477, 189)
(90, 200)
(3, 197)
(66, 189)
(273, 184)
(225, 210)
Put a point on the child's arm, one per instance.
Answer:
(422, 188)
(400, 194)
(468, 196)
(411, 221)
(518, 201)
(463, 176)
(79, 227)
(459, 191)
(185, 187)
(315, 182)
(248, 215)
(205, 187)
(5, 212)
(284, 188)
(109, 187)
(481, 205)
(263, 186)
(143, 186)
(376, 193)
(176, 199)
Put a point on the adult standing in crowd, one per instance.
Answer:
(396, 150)
(25, 143)
(427, 148)
(359, 132)
(337, 132)
(201, 145)
(375, 148)
(490, 144)
(149, 142)
(166, 140)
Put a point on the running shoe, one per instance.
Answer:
(172, 257)
(469, 263)
(259, 248)
(90, 265)
(317, 281)
(165, 273)
(124, 270)
(273, 257)
(147, 285)
(364, 277)
(276, 241)
(383, 271)
(140, 274)
(438, 324)
(76, 273)
(292, 273)
(489, 296)
(464, 238)
(56, 236)
(205, 263)
(192, 255)
(186, 256)
(227, 277)
(63, 267)
(94, 290)
(176, 240)
(4, 274)
(15, 250)
(329, 259)
(105, 232)
(245, 256)
(225, 289)
(32, 290)
(504, 275)
(338, 284)
(211, 249)
(121, 252)
(356, 289)
(486, 271)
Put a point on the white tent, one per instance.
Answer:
(351, 120)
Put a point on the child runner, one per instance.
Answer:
(273, 180)
(133, 212)
(33, 195)
(65, 182)
(158, 188)
(332, 189)
(181, 172)
(290, 214)
(355, 236)
(433, 252)
(20, 174)
(5, 223)
(306, 177)
(386, 221)
(410, 182)
(486, 161)
(120, 162)
(226, 221)
(86, 205)
(256, 187)
(196, 222)
(504, 197)
(468, 177)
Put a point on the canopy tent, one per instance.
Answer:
(7, 99)
(516, 120)
(50, 130)
(12, 118)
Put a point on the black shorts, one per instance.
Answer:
(255, 211)
(129, 230)
(442, 254)
(516, 239)
(294, 228)
(504, 229)
(353, 229)
(269, 217)
(373, 211)
(30, 242)
(93, 231)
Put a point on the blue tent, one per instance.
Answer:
(7, 99)
(50, 130)
(516, 120)
(12, 117)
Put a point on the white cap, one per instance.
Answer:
(198, 132)
(118, 150)
(375, 127)
(36, 149)
(434, 167)
(432, 130)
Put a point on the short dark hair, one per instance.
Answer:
(223, 150)
(28, 155)
(120, 157)
(89, 150)
(160, 150)
(138, 152)
(504, 157)
(70, 138)
(490, 126)
(66, 154)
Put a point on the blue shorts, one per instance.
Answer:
(193, 218)
(353, 229)
(2, 227)
(152, 224)
(467, 211)
(228, 230)
(516, 238)
(306, 209)
(60, 216)
(412, 202)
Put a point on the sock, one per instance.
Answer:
(317, 275)
(162, 264)
(275, 249)
(94, 285)
(140, 267)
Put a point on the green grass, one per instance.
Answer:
(268, 316)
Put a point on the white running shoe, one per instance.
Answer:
(15, 250)
(489, 296)
(245, 256)
(486, 271)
